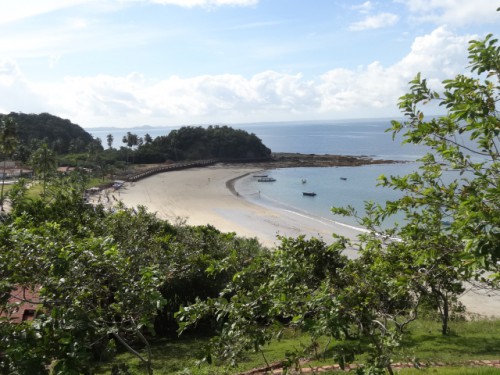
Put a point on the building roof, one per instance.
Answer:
(23, 305)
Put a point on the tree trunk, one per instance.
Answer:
(445, 316)
(3, 183)
(444, 308)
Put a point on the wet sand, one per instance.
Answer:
(201, 196)
(207, 195)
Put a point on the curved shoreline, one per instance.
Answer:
(230, 184)
(208, 195)
(200, 196)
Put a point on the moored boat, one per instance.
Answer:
(309, 194)
(266, 179)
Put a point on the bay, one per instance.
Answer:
(334, 186)
(340, 137)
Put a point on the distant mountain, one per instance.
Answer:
(60, 134)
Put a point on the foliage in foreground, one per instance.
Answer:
(112, 279)
(471, 340)
(107, 280)
(451, 234)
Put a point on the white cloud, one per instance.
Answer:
(454, 12)
(17, 94)
(206, 3)
(364, 7)
(375, 22)
(14, 10)
(371, 90)
(440, 53)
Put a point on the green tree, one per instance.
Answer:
(450, 233)
(451, 204)
(89, 294)
(130, 140)
(22, 154)
(60, 134)
(8, 144)
(147, 139)
(109, 140)
(461, 174)
(308, 286)
(97, 291)
(44, 163)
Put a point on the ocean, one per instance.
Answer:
(334, 186)
(341, 137)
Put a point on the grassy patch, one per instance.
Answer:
(468, 341)
(452, 371)
(35, 190)
(182, 356)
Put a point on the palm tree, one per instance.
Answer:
(110, 139)
(43, 162)
(93, 149)
(8, 143)
(130, 140)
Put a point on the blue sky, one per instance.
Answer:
(128, 63)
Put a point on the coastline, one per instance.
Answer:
(209, 195)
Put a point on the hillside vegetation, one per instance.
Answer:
(61, 135)
(73, 146)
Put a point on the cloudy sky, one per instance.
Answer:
(128, 63)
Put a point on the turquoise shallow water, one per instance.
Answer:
(347, 137)
(329, 185)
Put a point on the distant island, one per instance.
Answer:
(73, 146)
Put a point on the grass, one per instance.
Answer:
(452, 371)
(472, 370)
(181, 357)
(36, 187)
(467, 340)
(473, 340)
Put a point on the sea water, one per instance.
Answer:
(334, 186)
(339, 137)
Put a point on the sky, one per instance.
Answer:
(129, 63)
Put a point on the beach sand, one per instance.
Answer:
(201, 196)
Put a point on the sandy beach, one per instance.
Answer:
(201, 196)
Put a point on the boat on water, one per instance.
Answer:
(309, 194)
(260, 175)
(304, 180)
(343, 178)
(266, 179)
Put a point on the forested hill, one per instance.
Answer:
(60, 134)
(186, 143)
(213, 142)
(196, 142)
